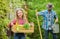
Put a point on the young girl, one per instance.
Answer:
(21, 21)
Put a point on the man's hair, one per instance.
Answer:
(49, 5)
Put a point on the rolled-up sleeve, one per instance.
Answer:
(55, 16)
(41, 13)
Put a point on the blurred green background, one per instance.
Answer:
(7, 13)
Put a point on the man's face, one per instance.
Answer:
(49, 7)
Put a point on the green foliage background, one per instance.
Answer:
(32, 5)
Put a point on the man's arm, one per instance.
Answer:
(40, 13)
(56, 18)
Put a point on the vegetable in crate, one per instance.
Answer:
(18, 27)
(26, 26)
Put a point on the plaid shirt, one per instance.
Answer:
(48, 20)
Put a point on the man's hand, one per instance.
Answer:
(56, 20)
(36, 12)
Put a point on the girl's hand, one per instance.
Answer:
(12, 24)
(31, 24)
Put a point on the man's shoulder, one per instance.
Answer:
(44, 10)
(54, 12)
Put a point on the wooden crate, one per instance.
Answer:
(21, 29)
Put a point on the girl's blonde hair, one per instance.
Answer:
(17, 13)
(24, 15)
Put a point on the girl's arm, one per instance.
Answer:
(12, 23)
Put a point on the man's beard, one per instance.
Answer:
(49, 9)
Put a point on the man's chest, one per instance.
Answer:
(49, 16)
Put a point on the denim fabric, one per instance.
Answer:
(19, 36)
(47, 34)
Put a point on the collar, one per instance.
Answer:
(50, 11)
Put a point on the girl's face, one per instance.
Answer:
(20, 13)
